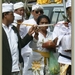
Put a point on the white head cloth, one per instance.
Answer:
(68, 3)
(7, 7)
(37, 6)
(18, 5)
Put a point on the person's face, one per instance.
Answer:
(69, 13)
(37, 13)
(42, 22)
(9, 17)
(20, 11)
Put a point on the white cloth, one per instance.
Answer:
(26, 51)
(18, 5)
(7, 7)
(37, 6)
(12, 39)
(16, 18)
(66, 42)
(68, 3)
(59, 31)
(38, 46)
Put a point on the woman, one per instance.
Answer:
(40, 49)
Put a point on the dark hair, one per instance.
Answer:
(67, 8)
(42, 16)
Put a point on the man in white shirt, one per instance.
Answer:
(62, 31)
(37, 10)
(19, 12)
(11, 42)
(18, 18)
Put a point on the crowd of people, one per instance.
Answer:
(26, 44)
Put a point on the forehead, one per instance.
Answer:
(22, 8)
(43, 19)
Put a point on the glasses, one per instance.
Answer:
(41, 11)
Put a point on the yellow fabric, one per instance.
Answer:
(63, 69)
(58, 1)
(44, 54)
(43, 1)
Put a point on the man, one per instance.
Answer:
(62, 37)
(11, 42)
(37, 10)
(18, 11)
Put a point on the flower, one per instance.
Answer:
(36, 66)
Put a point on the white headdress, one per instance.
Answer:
(18, 5)
(68, 3)
(37, 6)
(7, 7)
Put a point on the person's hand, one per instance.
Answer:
(36, 30)
(49, 45)
(31, 30)
(18, 24)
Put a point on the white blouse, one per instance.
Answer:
(37, 45)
